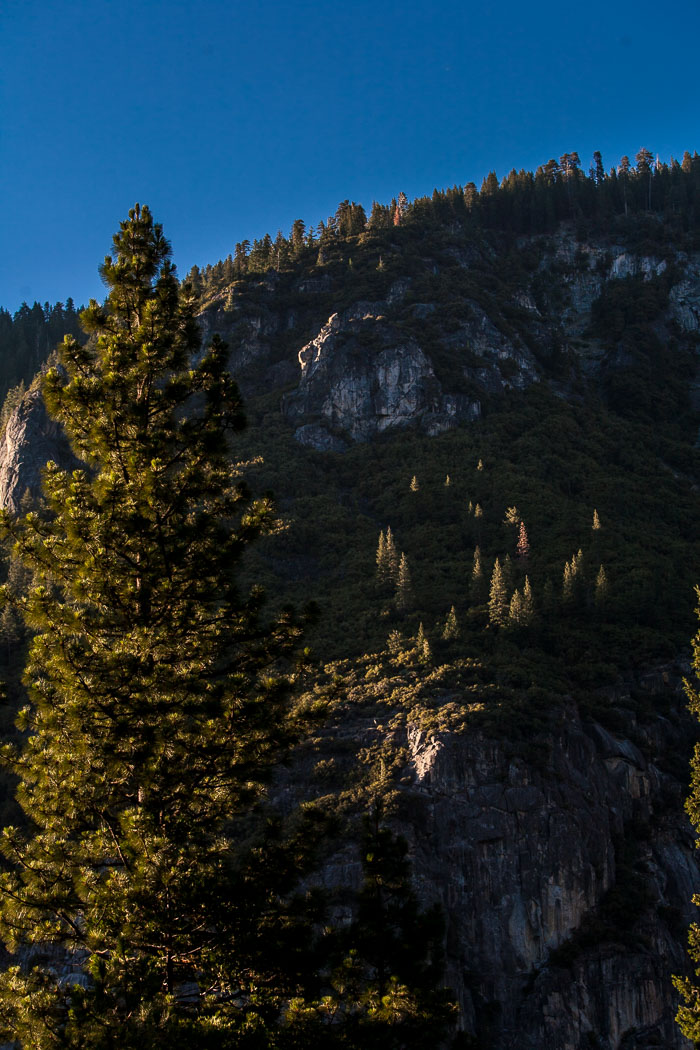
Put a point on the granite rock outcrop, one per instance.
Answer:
(360, 376)
(566, 881)
(30, 440)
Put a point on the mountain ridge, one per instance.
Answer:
(581, 354)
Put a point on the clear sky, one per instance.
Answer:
(231, 119)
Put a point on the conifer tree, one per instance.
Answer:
(451, 629)
(601, 588)
(568, 584)
(478, 580)
(528, 606)
(523, 545)
(422, 644)
(512, 517)
(572, 586)
(297, 236)
(521, 609)
(414, 484)
(688, 1016)
(381, 556)
(549, 601)
(498, 597)
(404, 587)
(156, 703)
(515, 609)
(391, 555)
(448, 481)
(400, 209)
(508, 572)
(596, 521)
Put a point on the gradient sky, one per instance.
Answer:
(232, 119)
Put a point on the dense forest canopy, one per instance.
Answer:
(522, 203)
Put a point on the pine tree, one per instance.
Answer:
(498, 597)
(568, 584)
(508, 572)
(601, 588)
(423, 645)
(521, 609)
(448, 481)
(400, 209)
(528, 606)
(386, 982)
(477, 588)
(414, 484)
(515, 609)
(512, 517)
(596, 521)
(391, 555)
(451, 629)
(572, 586)
(297, 236)
(523, 545)
(404, 587)
(156, 705)
(381, 557)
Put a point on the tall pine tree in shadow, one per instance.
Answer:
(156, 700)
(148, 900)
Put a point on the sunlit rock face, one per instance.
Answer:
(360, 376)
(30, 440)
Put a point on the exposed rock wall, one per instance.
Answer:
(361, 377)
(30, 440)
(566, 884)
(361, 370)
(566, 879)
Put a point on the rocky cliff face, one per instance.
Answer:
(523, 859)
(30, 440)
(565, 881)
(360, 377)
(348, 374)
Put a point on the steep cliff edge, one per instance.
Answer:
(30, 440)
(361, 376)
(565, 880)
(524, 860)
(456, 331)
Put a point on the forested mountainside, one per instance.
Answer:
(478, 414)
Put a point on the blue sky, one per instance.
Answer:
(232, 119)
